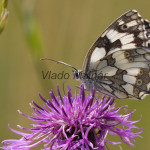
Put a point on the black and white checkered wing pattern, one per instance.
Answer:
(120, 58)
(125, 74)
(127, 32)
(147, 28)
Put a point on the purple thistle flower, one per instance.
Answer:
(76, 122)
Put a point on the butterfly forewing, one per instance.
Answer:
(126, 32)
(118, 63)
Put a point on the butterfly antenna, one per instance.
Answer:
(59, 62)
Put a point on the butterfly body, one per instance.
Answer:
(118, 63)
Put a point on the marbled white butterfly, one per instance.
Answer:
(118, 63)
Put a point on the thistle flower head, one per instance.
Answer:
(79, 122)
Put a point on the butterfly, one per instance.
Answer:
(118, 63)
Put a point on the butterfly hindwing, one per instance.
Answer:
(126, 73)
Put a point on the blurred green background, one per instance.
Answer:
(63, 30)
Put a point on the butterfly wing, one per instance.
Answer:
(127, 32)
(124, 74)
(118, 63)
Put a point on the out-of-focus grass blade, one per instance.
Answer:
(32, 32)
(3, 14)
(25, 12)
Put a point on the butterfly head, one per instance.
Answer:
(77, 74)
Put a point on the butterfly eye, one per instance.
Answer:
(124, 27)
(76, 75)
(139, 82)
